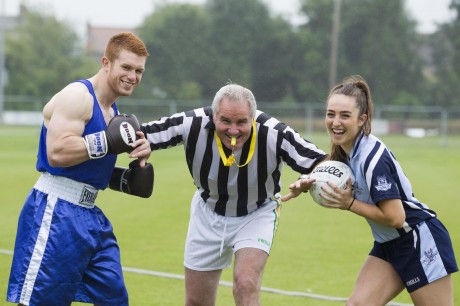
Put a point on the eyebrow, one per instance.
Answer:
(238, 120)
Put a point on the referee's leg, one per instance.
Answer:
(247, 275)
(201, 287)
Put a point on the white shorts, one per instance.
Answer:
(212, 239)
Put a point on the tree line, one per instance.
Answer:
(195, 49)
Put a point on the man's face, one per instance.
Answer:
(125, 72)
(234, 119)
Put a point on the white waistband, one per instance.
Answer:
(68, 190)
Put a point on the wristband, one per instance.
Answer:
(96, 144)
(351, 204)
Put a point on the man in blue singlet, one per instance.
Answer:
(65, 247)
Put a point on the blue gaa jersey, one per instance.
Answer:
(95, 172)
(378, 177)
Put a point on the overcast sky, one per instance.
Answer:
(130, 13)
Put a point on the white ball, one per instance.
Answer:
(333, 171)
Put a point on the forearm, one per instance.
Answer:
(68, 151)
(386, 216)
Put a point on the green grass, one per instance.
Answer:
(316, 250)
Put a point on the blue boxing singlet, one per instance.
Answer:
(95, 172)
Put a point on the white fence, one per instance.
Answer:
(415, 121)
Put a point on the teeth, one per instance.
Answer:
(338, 131)
(127, 83)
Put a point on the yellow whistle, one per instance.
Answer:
(233, 142)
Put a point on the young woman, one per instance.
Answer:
(412, 248)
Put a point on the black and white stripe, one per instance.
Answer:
(233, 191)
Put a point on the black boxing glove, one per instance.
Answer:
(116, 139)
(135, 180)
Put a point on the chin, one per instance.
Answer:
(336, 141)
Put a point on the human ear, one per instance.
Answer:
(362, 119)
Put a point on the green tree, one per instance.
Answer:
(197, 49)
(256, 50)
(177, 36)
(278, 66)
(445, 46)
(237, 28)
(377, 39)
(42, 56)
(316, 35)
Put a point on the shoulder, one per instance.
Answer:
(75, 91)
(265, 120)
(74, 100)
(375, 154)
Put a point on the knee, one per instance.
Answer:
(244, 285)
(352, 301)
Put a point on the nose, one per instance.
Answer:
(132, 75)
(335, 121)
(233, 130)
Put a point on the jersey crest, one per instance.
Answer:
(382, 184)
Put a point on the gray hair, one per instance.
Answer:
(236, 93)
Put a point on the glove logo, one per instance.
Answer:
(98, 143)
(127, 132)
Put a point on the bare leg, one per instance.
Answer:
(438, 293)
(377, 284)
(201, 287)
(247, 276)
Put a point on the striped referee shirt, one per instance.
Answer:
(233, 191)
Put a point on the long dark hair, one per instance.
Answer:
(354, 86)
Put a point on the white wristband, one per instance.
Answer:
(96, 144)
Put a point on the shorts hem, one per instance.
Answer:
(252, 246)
(206, 269)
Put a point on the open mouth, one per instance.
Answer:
(127, 84)
(338, 132)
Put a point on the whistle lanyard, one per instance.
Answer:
(231, 159)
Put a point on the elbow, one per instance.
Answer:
(55, 161)
(398, 222)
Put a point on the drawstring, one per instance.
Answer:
(223, 238)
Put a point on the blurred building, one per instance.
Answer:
(97, 38)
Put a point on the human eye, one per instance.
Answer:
(330, 114)
(345, 115)
(242, 122)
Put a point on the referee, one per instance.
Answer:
(235, 155)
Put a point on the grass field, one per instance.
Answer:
(316, 251)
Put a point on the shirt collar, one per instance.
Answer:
(354, 150)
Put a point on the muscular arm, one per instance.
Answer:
(65, 117)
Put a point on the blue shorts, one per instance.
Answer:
(65, 249)
(421, 256)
